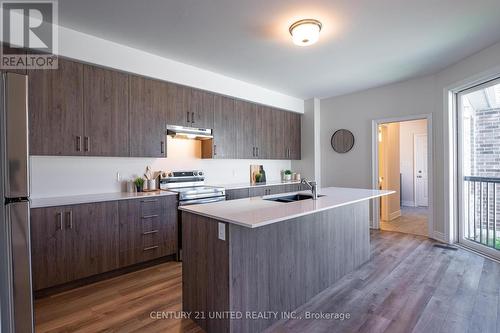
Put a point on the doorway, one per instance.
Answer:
(401, 163)
(478, 167)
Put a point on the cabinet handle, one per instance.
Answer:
(78, 143)
(215, 149)
(150, 232)
(149, 200)
(70, 216)
(253, 152)
(150, 216)
(162, 147)
(288, 152)
(192, 117)
(60, 219)
(187, 116)
(150, 248)
(257, 151)
(86, 143)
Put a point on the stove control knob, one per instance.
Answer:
(200, 173)
(170, 174)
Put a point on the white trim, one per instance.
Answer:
(430, 166)
(394, 215)
(440, 237)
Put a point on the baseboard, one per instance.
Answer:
(408, 204)
(394, 215)
(439, 236)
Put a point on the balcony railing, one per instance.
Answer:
(481, 223)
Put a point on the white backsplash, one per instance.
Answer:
(53, 176)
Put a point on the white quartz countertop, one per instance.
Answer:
(90, 198)
(248, 185)
(257, 212)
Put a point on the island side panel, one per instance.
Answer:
(283, 265)
(205, 271)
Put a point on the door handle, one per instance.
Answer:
(70, 218)
(192, 117)
(60, 220)
(78, 143)
(86, 143)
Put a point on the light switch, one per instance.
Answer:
(222, 231)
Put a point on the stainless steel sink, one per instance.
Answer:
(293, 198)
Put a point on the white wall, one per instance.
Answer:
(61, 176)
(417, 96)
(310, 164)
(407, 131)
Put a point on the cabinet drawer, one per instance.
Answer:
(150, 207)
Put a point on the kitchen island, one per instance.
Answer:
(246, 259)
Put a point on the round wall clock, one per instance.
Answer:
(342, 141)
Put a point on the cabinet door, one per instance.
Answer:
(178, 105)
(7, 50)
(259, 191)
(276, 189)
(105, 112)
(49, 262)
(279, 146)
(147, 116)
(239, 193)
(263, 132)
(201, 107)
(92, 234)
(293, 135)
(245, 127)
(224, 130)
(56, 110)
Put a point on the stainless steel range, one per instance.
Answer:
(192, 190)
(191, 187)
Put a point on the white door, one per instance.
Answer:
(420, 171)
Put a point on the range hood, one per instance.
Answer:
(189, 132)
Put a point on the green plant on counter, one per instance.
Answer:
(258, 177)
(288, 172)
(139, 182)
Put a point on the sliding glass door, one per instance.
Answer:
(479, 167)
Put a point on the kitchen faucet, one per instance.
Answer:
(312, 185)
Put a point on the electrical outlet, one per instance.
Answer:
(222, 231)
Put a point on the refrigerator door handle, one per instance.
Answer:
(15, 109)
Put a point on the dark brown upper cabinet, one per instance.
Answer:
(292, 135)
(56, 110)
(177, 105)
(147, 117)
(223, 144)
(246, 118)
(201, 108)
(105, 106)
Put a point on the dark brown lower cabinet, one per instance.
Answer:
(237, 193)
(258, 191)
(148, 229)
(77, 241)
(73, 242)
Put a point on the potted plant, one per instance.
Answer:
(139, 183)
(287, 175)
(258, 177)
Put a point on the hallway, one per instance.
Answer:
(413, 220)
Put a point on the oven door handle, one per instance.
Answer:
(201, 201)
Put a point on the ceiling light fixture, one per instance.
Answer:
(305, 32)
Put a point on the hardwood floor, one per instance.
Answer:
(408, 286)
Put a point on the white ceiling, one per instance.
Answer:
(364, 43)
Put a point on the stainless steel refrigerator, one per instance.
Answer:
(16, 299)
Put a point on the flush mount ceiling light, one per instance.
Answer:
(305, 32)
